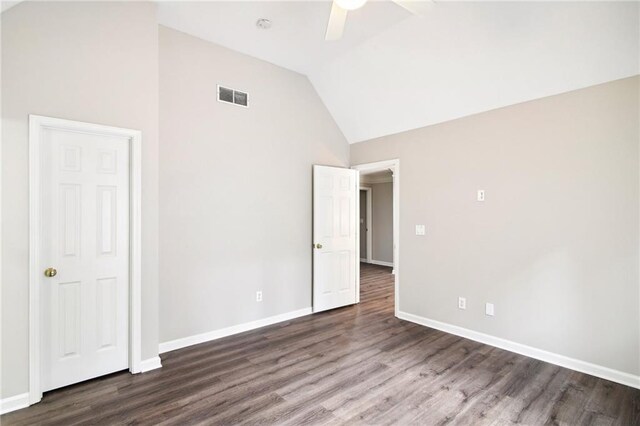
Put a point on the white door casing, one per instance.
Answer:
(85, 223)
(335, 236)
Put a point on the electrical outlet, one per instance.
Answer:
(462, 303)
(420, 230)
(258, 296)
(489, 310)
(480, 194)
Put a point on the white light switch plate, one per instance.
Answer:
(489, 309)
(462, 303)
(480, 194)
(420, 230)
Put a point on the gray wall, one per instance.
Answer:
(555, 244)
(363, 224)
(382, 221)
(94, 62)
(235, 186)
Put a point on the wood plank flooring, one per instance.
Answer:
(354, 365)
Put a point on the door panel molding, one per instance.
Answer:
(37, 125)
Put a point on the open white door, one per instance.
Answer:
(335, 257)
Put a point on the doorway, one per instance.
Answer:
(365, 223)
(85, 236)
(378, 216)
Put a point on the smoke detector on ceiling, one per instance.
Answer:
(263, 24)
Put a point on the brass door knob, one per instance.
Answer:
(50, 272)
(319, 246)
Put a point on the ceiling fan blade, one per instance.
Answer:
(417, 7)
(337, 19)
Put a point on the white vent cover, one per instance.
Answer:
(232, 96)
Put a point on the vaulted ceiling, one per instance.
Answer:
(466, 58)
(393, 71)
(296, 38)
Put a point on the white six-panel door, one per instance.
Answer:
(335, 194)
(85, 238)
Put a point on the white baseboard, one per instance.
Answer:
(235, 329)
(381, 263)
(550, 357)
(150, 364)
(14, 403)
(363, 260)
(18, 402)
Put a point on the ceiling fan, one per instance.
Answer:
(340, 8)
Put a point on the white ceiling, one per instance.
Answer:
(296, 39)
(8, 4)
(466, 58)
(376, 174)
(376, 177)
(393, 71)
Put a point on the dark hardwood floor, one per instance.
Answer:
(355, 365)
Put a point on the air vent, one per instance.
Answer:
(232, 96)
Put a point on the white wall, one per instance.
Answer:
(85, 61)
(555, 246)
(235, 187)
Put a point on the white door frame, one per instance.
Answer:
(36, 125)
(368, 191)
(394, 166)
